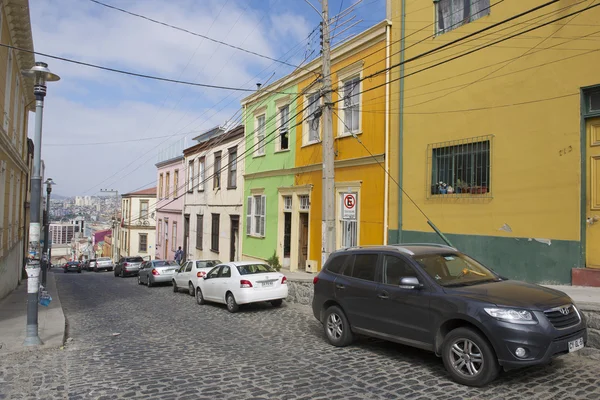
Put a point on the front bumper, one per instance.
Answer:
(541, 341)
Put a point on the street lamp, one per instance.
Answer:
(45, 256)
(40, 74)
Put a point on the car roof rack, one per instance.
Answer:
(445, 246)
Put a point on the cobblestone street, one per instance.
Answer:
(168, 347)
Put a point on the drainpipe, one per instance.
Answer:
(401, 119)
(386, 186)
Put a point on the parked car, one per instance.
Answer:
(74, 266)
(157, 271)
(103, 263)
(236, 283)
(187, 276)
(128, 266)
(436, 298)
(87, 265)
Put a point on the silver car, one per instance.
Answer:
(157, 271)
(102, 263)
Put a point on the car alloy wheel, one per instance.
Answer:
(149, 282)
(336, 326)
(232, 305)
(469, 358)
(191, 289)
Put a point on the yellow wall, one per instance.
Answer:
(536, 190)
(373, 124)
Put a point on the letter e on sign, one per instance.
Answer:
(349, 206)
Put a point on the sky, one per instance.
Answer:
(104, 130)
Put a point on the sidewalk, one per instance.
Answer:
(13, 319)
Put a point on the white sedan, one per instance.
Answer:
(244, 282)
(186, 276)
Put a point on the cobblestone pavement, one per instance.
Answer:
(168, 347)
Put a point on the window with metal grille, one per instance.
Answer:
(232, 169)
(287, 203)
(450, 14)
(199, 230)
(214, 234)
(304, 202)
(461, 167)
(260, 135)
(143, 242)
(350, 105)
(217, 173)
(284, 117)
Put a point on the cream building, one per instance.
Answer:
(137, 236)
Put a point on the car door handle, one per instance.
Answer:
(340, 286)
(383, 296)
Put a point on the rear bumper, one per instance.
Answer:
(104, 267)
(249, 295)
(161, 278)
(131, 271)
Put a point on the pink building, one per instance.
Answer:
(171, 187)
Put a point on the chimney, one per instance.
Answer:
(258, 85)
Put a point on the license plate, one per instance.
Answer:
(265, 284)
(575, 345)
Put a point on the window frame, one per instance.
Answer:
(190, 175)
(175, 183)
(232, 168)
(214, 236)
(252, 228)
(201, 173)
(486, 10)
(306, 139)
(217, 166)
(199, 231)
(280, 126)
(159, 233)
(351, 72)
(142, 203)
(140, 236)
(160, 185)
(167, 185)
(260, 133)
(174, 236)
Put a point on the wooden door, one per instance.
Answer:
(592, 250)
(303, 241)
(235, 229)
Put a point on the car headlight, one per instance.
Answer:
(511, 315)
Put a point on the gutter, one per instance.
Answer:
(401, 119)
(386, 181)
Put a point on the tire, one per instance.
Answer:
(149, 282)
(95, 269)
(122, 274)
(277, 303)
(199, 297)
(110, 269)
(139, 280)
(79, 271)
(337, 328)
(116, 273)
(175, 288)
(466, 342)
(66, 271)
(232, 305)
(191, 290)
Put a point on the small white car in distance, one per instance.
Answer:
(243, 282)
(186, 277)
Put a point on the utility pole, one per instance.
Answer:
(46, 257)
(328, 184)
(40, 74)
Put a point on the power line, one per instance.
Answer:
(195, 34)
(139, 75)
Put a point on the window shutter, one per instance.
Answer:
(263, 213)
(249, 216)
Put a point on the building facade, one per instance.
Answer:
(169, 207)
(499, 148)
(15, 102)
(62, 233)
(269, 171)
(137, 233)
(213, 200)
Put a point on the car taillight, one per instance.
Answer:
(200, 274)
(155, 272)
(245, 284)
(283, 280)
(315, 280)
(125, 264)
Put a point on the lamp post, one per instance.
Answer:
(45, 256)
(40, 74)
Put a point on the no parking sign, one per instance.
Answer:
(349, 206)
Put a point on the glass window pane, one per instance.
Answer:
(365, 266)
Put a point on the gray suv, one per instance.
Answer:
(436, 298)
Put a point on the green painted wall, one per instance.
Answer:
(515, 258)
(272, 161)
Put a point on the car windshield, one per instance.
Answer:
(254, 269)
(207, 264)
(455, 269)
(163, 263)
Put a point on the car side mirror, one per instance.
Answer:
(410, 282)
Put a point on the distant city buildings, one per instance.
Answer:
(62, 233)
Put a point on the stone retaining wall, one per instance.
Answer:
(301, 292)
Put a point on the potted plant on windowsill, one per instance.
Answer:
(461, 186)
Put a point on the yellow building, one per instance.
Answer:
(360, 132)
(509, 123)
